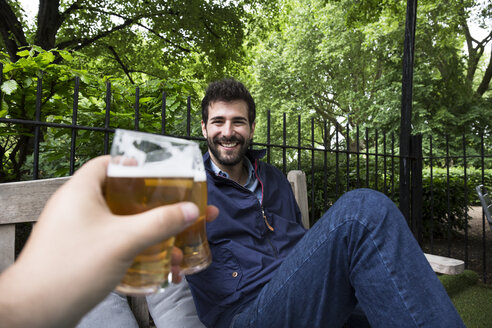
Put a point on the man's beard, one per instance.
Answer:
(228, 160)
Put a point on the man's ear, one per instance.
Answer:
(204, 129)
(252, 133)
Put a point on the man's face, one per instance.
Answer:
(228, 132)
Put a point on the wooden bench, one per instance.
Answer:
(22, 202)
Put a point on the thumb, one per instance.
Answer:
(158, 224)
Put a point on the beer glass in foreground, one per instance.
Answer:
(147, 171)
(193, 240)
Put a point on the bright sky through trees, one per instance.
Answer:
(31, 9)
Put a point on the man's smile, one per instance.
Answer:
(229, 144)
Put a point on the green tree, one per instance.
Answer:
(174, 46)
(189, 38)
(19, 95)
(332, 60)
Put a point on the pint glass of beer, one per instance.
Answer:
(193, 240)
(148, 171)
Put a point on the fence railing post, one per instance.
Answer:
(406, 107)
(416, 187)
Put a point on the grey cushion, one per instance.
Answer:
(113, 311)
(174, 308)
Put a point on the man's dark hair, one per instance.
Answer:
(228, 90)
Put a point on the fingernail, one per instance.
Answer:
(190, 212)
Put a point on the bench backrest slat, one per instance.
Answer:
(23, 201)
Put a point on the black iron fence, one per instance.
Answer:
(442, 179)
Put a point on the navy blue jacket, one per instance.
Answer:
(245, 251)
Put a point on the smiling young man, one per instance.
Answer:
(267, 271)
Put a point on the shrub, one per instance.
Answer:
(445, 204)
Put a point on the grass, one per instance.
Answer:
(472, 299)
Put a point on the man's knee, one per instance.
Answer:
(365, 193)
(364, 205)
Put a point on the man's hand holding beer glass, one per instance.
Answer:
(79, 251)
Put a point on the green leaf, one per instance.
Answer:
(145, 99)
(4, 106)
(9, 86)
(23, 53)
(27, 82)
(8, 67)
(173, 107)
(66, 55)
(85, 78)
(37, 48)
(45, 58)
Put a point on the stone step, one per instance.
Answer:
(445, 265)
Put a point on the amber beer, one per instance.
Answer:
(193, 240)
(148, 170)
(131, 195)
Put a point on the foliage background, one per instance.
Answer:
(328, 64)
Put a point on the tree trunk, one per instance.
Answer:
(48, 23)
(484, 85)
(11, 30)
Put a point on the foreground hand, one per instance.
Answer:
(79, 251)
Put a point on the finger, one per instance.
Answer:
(150, 227)
(176, 276)
(212, 213)
(176, 259)
(93, 171)
(176, 256)
(86, 183)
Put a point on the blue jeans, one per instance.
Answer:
(360, 251)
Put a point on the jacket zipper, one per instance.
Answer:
(266, 220)
(269, 226)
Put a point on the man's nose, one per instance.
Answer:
(227, 129)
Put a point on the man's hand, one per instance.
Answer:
(79, 251)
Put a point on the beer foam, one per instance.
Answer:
(200, 176)
(149, 171)
(137, 154)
